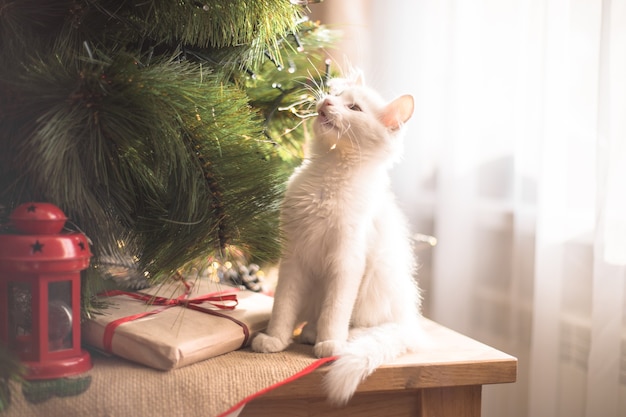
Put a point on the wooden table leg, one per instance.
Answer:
(462, 401)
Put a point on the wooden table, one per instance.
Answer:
(444, 381)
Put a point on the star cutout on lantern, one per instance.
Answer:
(37, 247)
(31, 208)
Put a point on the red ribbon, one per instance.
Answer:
(218, 299)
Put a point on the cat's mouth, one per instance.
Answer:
(324, 119)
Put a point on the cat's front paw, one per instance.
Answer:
(329, 348)
(268, 344)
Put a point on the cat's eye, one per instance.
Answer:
(355, 107)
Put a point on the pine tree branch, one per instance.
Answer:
(141, 122)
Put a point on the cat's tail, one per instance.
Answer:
(366, 350)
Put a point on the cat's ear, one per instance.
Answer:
(398, 112)
(359, 78)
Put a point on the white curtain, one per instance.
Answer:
(516, 161)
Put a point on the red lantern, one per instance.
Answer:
(40, 292)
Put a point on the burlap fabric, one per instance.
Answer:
(208, 388)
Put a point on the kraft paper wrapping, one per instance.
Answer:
(178, 336)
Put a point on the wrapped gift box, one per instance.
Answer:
(178, 324)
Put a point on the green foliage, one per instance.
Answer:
(287, 97)
(161, 152)
(10, 368)
(215, 24)
(229, 34)
(37, 392)
(143, 121)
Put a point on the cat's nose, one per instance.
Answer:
(327, 102)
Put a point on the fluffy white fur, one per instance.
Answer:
(347, 267)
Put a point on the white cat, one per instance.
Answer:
(347, 267)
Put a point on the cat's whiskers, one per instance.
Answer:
(355, 143)
(346, 129)
(300, 111)
(319, 87)
(312, 90)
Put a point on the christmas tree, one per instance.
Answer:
(164, 130)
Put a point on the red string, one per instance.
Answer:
(310, 368)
